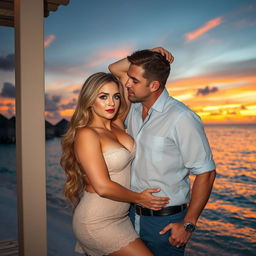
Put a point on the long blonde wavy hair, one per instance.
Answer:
(75, 182)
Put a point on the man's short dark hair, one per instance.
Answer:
(155, 65)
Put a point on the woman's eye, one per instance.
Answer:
(103, 97)
(117, 97)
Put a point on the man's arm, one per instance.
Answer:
(120, 69)
(197, 157)
(201, 191)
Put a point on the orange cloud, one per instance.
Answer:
(67, 113)
(49, 39)
(202, 30)
(7, 107)
(117, 53)
(6, 101)
(234, 101)
(63, 87)
(102, 57)
(235, 113)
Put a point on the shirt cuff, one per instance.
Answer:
(203, 167)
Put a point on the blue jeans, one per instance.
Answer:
(149, 228)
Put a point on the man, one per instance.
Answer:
(170, 145)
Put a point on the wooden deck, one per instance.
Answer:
(9, 247)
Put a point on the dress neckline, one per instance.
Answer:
(112, 150)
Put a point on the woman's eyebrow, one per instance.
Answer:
(103, 93)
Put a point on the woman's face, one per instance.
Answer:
(107, 101)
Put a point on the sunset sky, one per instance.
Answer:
(213, 42)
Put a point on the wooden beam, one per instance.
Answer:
(30, 127)
(7, 7)
(52, 7)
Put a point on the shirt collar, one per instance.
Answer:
(159, 103)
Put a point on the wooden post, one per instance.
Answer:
(30, 127)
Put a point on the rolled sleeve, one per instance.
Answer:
(203, 167)
(193, 143)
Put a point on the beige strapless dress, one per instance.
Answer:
(101, 225)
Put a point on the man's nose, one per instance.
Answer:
(128, 83)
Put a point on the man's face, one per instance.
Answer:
(137, 86)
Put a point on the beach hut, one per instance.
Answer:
(27, 18)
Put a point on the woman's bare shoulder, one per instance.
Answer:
(87, 133)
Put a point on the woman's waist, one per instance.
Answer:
(92, 204)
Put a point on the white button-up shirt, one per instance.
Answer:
(170, 144)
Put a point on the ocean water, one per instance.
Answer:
(227, 225)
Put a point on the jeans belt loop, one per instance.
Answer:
(137, 207)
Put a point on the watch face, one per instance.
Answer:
(189, 227)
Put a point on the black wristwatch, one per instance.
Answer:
(189, 227)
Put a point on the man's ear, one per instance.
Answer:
(154, 86)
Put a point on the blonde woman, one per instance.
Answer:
(97, 153)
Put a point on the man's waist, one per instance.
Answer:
(182, 197)
(166, 211)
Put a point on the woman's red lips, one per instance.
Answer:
(110, 110)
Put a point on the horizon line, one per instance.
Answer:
(204, 122)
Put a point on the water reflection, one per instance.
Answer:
(226, 226)
(228, 221)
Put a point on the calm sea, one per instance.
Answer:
(226, 227)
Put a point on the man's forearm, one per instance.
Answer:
(201, 191)
(120, 68)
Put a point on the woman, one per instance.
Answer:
(97, 154)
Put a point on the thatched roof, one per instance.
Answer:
(7, 10)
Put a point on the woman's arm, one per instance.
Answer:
(89, 154)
